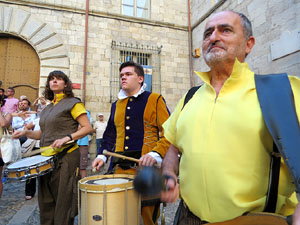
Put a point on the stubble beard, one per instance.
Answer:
(212, 58)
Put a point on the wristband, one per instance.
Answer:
(70, 136)
(166, 177)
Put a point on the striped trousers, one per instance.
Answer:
(185, 217)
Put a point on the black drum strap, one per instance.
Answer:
(189, 95)
(277, 105)
(271, 199)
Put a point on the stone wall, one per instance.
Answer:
(276, 29)
(59, 42)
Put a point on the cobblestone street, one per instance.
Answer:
(13, 204)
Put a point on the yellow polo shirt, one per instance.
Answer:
(76, 111)
(225, 146)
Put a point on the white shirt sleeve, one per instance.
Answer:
(157, 157)
(17, 123)
(103, 157)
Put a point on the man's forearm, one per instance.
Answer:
(171, 162)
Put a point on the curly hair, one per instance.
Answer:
(48, 93)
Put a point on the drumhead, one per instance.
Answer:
(108, 181)
(29, 161)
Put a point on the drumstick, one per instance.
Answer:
(35, 152)
(105, 152)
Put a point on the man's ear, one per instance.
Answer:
(249, 44)
(141, 79)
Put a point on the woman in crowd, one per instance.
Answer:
(57, 195)
(5, 121)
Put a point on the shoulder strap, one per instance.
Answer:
(277, 104)
(189, 95)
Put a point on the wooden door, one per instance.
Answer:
(19, 67)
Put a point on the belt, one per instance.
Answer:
(63, 152)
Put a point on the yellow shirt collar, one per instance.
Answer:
(57, 98)
(239, 69)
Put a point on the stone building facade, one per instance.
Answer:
(152, 32)
(276, 27)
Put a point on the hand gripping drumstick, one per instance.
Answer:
(105, 152)
(35, 152)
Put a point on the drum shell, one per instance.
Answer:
(38, 166)
(116, 204)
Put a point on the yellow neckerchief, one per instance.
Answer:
(57, 98)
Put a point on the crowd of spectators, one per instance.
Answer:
(25, 116)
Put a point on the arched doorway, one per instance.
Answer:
(19, 67)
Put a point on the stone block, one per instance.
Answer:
(42, 34)
(288, 43)
(257, 8)
(31, 27)
(7, 13)
(44, 72)
(17, 20)
(50, 43)
(56, 63)
(23, 215)
(54, 53)
(1, 20)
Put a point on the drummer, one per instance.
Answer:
(133, 129)
(5, 121)
(57, 195)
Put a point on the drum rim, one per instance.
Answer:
(28, 176)
(49, 158)
(26, 169)
(106, 188)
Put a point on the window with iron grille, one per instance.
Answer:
(136, 8)
(146, 55)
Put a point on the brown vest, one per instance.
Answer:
(56, 121)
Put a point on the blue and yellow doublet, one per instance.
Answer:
(135, 124)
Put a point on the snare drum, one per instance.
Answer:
(30, 167)
(108, 200)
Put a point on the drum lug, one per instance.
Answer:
(27, 172)
(37, 170)
(97, 217)
(17, 174)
